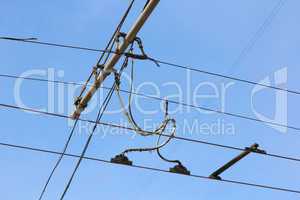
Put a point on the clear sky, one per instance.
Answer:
(205, 34)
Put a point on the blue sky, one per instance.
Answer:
(208, 35)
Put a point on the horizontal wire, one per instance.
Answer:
(157, 60)
(153, 169)
(165, 135)
(56, 45)
(161, 99)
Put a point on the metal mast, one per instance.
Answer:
(108, 67)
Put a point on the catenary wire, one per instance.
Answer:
(174, 65)
(153, 169)
(230, 181)
(131, 129)
(262, 29)
(241, 116)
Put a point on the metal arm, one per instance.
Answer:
(248, 150)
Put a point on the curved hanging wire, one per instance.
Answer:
(128, 112)
(158, 146)
(161, 146)
(129, 115)
(158, 131)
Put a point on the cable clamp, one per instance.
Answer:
(96, 70)
(143, 55)
(77, 101)
(117, 79)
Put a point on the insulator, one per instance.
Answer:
(180, 169)
(121, 159)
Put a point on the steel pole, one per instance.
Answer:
(108, 68)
